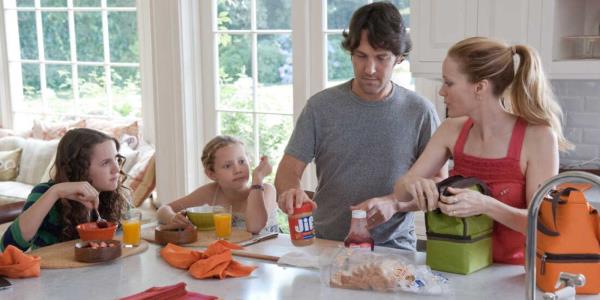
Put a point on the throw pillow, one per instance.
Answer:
(9, 164)
(142, 175)
(11, 143)
(49, 172)
(125, 133)
(37, 155)
(130, 157)
(130, 140)
(146, 185)
(50, 131)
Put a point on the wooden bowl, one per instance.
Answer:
(178, 235)
(90, 231)
(85, 253)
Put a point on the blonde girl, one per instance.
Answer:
(225, 162)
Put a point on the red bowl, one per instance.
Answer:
(90, 231)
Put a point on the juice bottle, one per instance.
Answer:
(359, 236)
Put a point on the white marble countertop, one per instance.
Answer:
(133, 274)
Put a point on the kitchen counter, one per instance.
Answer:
(133, 274)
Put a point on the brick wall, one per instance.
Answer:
(580, 100)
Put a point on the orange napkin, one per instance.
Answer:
(180, 257)
(176, 291)
(16, 264)
(216, 261)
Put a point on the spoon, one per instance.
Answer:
(100, 222)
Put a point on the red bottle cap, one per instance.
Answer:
(306, 207)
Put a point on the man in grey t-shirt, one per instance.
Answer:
(363, 135)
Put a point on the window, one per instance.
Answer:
(254, 94)
(72, 58)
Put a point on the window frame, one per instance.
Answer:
(305, 81)
(211, 122)
(14, 89)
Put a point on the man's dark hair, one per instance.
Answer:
(384, 26)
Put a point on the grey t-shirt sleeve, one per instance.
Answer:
(302, 143)
(429, 125)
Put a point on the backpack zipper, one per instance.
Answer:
(457, 238)
(566, 258)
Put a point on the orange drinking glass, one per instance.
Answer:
(222, 219)
(131, 223)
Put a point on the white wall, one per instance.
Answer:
(580, 100)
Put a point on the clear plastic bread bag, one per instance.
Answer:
(383, 272)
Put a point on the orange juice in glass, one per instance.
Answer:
(131, 223)
(222, 220)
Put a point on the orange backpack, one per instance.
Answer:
(568, 240)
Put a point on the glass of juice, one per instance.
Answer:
(222, 219)
(131, 222)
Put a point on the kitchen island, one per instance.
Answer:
(129, 275)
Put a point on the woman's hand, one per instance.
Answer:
(82, 192)
(263, 170)
(423, 191)
(463, 203)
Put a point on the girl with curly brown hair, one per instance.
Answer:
(87, 175)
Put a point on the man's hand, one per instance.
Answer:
(293, 198)
(379, 210)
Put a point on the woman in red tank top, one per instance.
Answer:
(511, 145)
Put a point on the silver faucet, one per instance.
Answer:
(532, 216)
(568, 282)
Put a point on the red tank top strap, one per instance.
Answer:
(462, 137)
(516, 140)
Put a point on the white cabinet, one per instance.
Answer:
(566, 33)
(435, 26)
(438, 24)
(571, 38)
(513, 21)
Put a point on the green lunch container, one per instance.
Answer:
(459, 245)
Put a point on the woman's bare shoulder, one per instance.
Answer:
(456, 123)
(540, 139)
(450, 128)
(540, 134)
